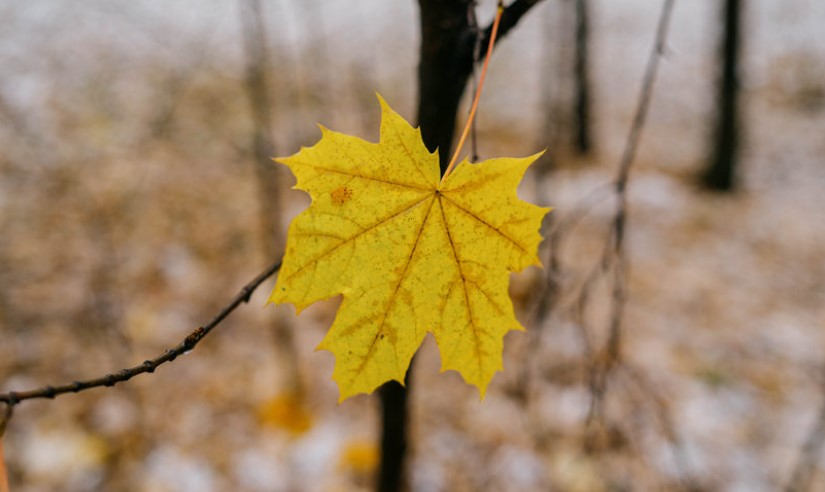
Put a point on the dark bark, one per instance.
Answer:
(583, 140)
(394, 420)
(445, 66)
(720, 174)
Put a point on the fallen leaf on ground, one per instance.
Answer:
(286, 411)
(360, 457)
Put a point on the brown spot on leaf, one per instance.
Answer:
(341, 195)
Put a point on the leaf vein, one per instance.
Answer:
(392, 298)
(361, 176)
(353, 238)
(472, 320)
(479, 219)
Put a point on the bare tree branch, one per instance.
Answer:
(614, 257)
(663, 417)
(509, 18)
(13, 398)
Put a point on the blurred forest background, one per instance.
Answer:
(135, 201)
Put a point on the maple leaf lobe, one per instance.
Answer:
(410, 254)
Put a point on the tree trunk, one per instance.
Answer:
(583, 139)
(394, 420)
(267, 174)
(720, 174)
(255, 48)
(445, 66)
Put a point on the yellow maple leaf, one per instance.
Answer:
(409, 253)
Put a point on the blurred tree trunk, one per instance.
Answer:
(583, 138)
(552, 84)
(720, 175)
(255, 48)
(267, 173)
(566, 75)
(446, 63)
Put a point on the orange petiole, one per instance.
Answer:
(474, 107)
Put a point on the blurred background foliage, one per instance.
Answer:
(131, 209)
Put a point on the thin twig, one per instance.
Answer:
(620, 217)
(509, 18)
(13, 398)
(472, 20)
(474, 107)
(614, 256)
(661, 411)
(583, 207)
(646, 95)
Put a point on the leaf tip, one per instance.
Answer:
(279, 297)
(381, 99)
(386, 109)
(345, 392)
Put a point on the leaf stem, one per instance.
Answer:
(474, 107)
